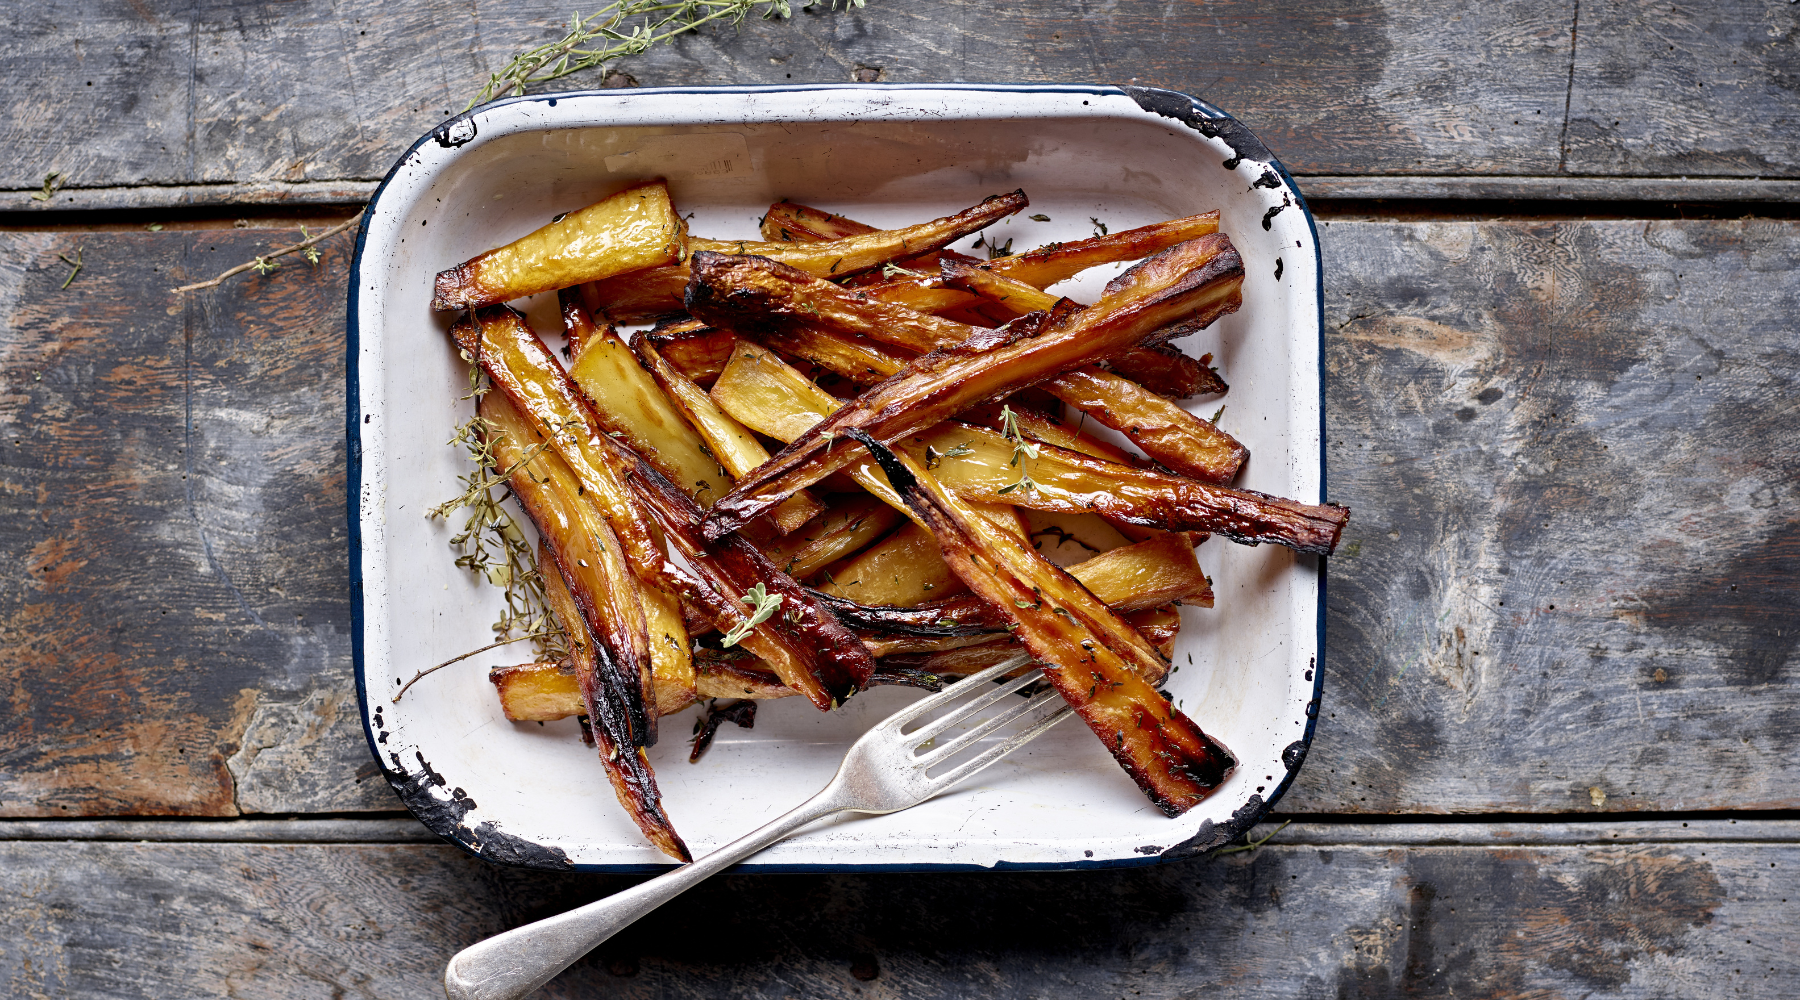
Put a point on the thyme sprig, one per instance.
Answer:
(1251, 845)
(74, 265)
(434, 668)
(53, 182)
(1009, 427)
(266, 262)
(662, 21)
(493, 545)
(620, 29)
(764, 604)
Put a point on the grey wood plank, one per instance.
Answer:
(294, 98)
(1693, 920)
(1279, 830)
(266, 831)
(1319, 190)
(1666, 87)
(1564, 444)
(1317, 187)
(1568, 581)
(310, 91)
(174, 605)
(257, 193)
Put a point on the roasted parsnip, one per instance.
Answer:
(613, 670)
(768, 395)
(850, 525)
(955, 287)
(657, 291)
(1094, 659)
(814, 654)
(737, 451)
(634, 229)
(1198, 285)
(765, 299)
(1055, 262)
(631, 408)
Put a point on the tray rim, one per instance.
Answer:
(1202, 116)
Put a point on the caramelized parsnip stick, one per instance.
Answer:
(847, 527)
(634, 229)
(671, 661)
(1095, 660)
(1162, 369)
(613, 670)
(735, 448)
(765, 394)
(954, 285)
(768, 301)
(657, 291)
(1200, 284)
(631, 408)
(695, 349)
(1056, 262)
(813, 652)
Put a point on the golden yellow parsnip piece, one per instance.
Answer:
(632, 230)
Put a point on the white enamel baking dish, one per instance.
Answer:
(532, 794)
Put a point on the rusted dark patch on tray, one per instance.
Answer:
(496, 845)
(456, 132)
(446, 817)
(1213, 836)
(1181, 107)
(1294, 755)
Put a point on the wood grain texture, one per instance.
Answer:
(1694, 920)
(174, 604)
(1652, 82)
(1568, 583)
(309, 92)
(1565, 445)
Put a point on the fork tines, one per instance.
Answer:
(970, 709)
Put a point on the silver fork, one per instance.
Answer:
(884, 772)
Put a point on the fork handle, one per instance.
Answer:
(510, 965)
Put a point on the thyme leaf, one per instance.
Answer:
(53, 182)
(493, 546)
(1009, 427)
(763, 604)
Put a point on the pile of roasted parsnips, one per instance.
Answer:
(922, 443)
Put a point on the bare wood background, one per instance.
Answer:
(1568, 591)
(1331, 920)
(294, 98)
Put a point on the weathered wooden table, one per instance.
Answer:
(1558, 757)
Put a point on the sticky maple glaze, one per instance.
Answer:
(945, 382)
(1093, 659)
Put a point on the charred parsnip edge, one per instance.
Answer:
(607, 670)
(1196, 288)
(1171, 759)
(815, 654)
